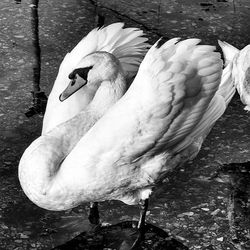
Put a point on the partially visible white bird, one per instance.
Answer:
(159, 123)
(240, 67)
(127, 45)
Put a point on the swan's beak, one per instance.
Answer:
(74, 85)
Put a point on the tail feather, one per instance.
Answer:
(229, 51)
(227, 87)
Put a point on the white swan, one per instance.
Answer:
(128, 46)
(158, 124)
(240, 67)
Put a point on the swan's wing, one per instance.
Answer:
(171, 93)
(183, 79)
(214, 111)
(127, 44)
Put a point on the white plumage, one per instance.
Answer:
(239, 61)
(159, 123)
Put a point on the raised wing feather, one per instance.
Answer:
(227, 85)
(184, 77)
(216, 108)
(127, 44)
(113, 39)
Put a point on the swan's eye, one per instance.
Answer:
(72, 75)
(72, 83)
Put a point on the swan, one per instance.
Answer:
(159, 123)
(128, 45)
(240, 64)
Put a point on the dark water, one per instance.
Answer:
(193, 208)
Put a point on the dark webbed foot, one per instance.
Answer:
(141, 224)
(94, 214)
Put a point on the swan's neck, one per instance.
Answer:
(107, 95)
(41, 162)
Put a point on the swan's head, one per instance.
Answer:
(94, 70)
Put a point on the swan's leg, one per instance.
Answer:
(94, 213)
(141, 224)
